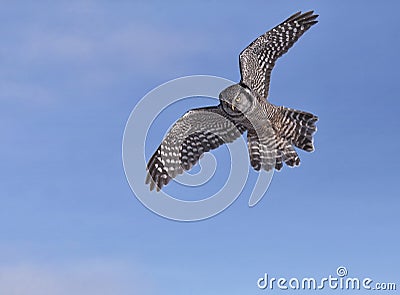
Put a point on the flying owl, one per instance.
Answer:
(272, 131)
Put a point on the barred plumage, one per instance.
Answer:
(258, 59)
(272, 131)
(197, 132)
(298, 127)
(263, 153)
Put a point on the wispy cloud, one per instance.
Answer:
(146, 45)
(86, 57)
(138, 42)
(80, 279)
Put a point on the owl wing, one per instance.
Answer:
(257, 60)
(196, 132)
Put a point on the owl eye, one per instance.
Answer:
(237, 99)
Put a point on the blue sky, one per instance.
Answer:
(72, 71)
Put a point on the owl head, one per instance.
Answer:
(236, 100)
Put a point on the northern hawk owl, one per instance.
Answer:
(272, 131)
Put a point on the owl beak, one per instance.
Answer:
(233, 107)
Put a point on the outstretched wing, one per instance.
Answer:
(258, 59)
(197, 132)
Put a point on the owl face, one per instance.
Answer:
(236, 100)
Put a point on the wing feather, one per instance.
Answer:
(197, 132)
(258, 59)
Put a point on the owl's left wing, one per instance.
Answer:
(197, 132)
(257, 60)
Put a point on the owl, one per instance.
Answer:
(273, 131)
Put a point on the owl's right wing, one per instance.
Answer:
(258, 59)
(197, 132)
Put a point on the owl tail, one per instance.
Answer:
(298, 127)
